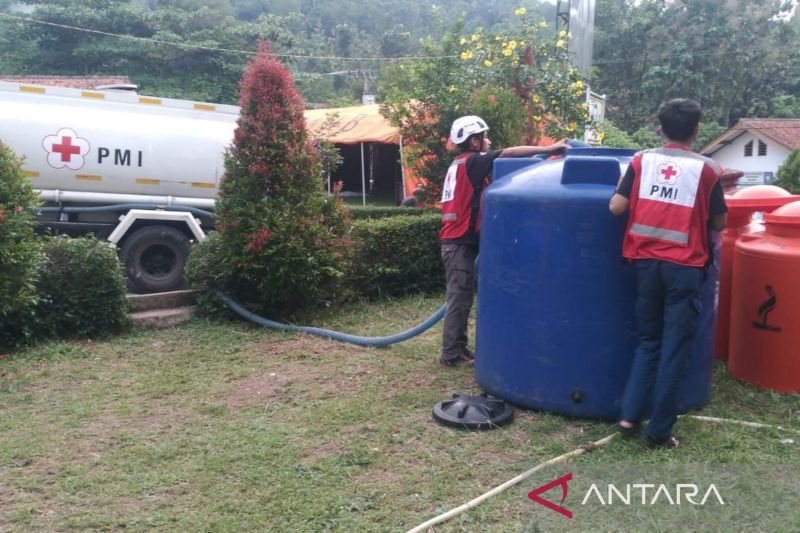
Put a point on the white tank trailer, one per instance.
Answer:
(136, 170)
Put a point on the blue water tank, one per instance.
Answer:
(556, 329)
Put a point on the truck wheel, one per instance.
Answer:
(154, 257)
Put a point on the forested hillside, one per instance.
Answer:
(738, 57)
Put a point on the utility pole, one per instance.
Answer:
(562, 15)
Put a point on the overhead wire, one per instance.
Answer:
(629, 59)
(213, 48)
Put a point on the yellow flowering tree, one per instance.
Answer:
(520, 81)
(536, 66)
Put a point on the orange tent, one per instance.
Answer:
(351, 125)
(361, 125)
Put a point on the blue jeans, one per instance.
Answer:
(668, 309)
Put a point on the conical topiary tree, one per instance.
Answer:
(281, 245)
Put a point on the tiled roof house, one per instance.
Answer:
(757, 146)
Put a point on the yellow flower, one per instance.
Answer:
(466, 55)
(578, 85)
(536, 99)
(560, 43)
(520, 11)
(572, 126)
(475, 37)
(498, 38)
(541, 24)
(585, 106)
(463, 41)
(536, 118)
(487, 62)
(512, 44)
(452, 88)
(562, 33)
(507, 52)
(478, 46)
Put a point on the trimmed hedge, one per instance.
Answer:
(361, 212)
(396, 255)
(81, 289)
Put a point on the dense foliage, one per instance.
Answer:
(81, 289)
(396, 255)
(19, 251)
(788, 175)
(282, 247)
(311, 33)
(519, 80)
(358, 212)
(736, 57)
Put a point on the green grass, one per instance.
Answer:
(224, 427)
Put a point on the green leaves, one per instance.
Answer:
(788, 175)
(19, 251)
(81, 289)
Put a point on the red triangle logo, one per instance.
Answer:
(535, 495)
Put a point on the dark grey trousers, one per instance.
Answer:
(459, 268)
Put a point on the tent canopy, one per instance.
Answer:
(351, 125)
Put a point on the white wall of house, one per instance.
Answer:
(732, 155)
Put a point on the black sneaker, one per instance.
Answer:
(457, 362)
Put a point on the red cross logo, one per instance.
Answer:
(65, 149)
(668, 173)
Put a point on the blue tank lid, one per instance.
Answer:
(587, 166)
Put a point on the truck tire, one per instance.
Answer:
(154, 257)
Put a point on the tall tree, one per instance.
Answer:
(728, 54)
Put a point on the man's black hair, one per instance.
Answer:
(678, 118)
(465, 145)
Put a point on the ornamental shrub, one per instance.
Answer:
(788, 175)
(282, 241)
(395, 256)
(19, 251)
(81, 289)
(207, 269)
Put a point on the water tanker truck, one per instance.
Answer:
(138, 171)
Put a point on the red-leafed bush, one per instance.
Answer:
(280, 247)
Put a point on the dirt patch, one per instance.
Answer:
(307, 366)
(103, 431)
(257, 389)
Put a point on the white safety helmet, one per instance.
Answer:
(463, 127)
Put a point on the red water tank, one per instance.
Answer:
(741, 206)
(765, 305)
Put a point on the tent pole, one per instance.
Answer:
(363, 179)
(402, 168)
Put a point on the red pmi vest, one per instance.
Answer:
(669, 206)
(459, 201)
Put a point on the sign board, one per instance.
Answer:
(597, 114)
(751, 178)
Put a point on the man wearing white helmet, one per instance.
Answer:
(468, 175)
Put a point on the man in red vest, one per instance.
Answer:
(469, 174)
(674, 198)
